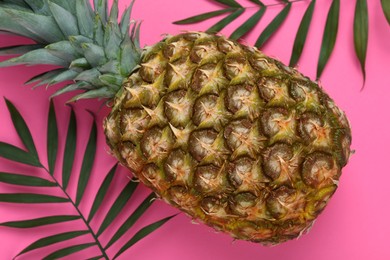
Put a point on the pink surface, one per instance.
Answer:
(355, 225)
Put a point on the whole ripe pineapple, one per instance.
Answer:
(217, 129)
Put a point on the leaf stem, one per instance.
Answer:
(275, 4)
(97, 242)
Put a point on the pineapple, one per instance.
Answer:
(228, 135)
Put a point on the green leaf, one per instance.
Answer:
(86, 167)
(65, 19)
(231, 3)
(360, 28)
(142, 233)
(52, 138)
(125, 19)
(84, 17)
(257, 2)
(21, 128)
(248, 25)
(301, 36)
(118, 205)
(132, 219)
(37, 222)
(205, 16)
(68, 251)
(225, 21)
(36, 57)
(94, 54)
(45, 76)
(386, 9)
(64, 76)
(19, 49)
(41, 28)
(114, 11)
(16, 154)
(96, 93)
(70, 149)
(63, 50)
(24, 180)
(30, 198)
(329, 37)
(102, 193)
(101, 7)
(50, 240)
(273, 26)
(96, 257)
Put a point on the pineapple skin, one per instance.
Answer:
(230, 136)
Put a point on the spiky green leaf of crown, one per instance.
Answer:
(86, 43)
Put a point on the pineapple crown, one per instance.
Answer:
(86, 44)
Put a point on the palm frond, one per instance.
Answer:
(329, 37)
(235, 9)
(29, 155)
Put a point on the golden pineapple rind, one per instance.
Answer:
(230, 136)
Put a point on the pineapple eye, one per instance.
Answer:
(181, 197)
(276, 160)
(240, 171)
(235, 66)
(152, 175)
(310, 126)
(156, 143)
(208, 179)
(237, 133)
(152, 68)
(319, 169)
(201, 143)
(226, 46)
(282, 201)
(243, 101)
(214, 207)
(178, 167)
(245, 174)
(131, 156)
(272, 120)
(133, 124)
(243, 203)
(178, 108)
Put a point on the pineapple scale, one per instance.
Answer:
(230, 136)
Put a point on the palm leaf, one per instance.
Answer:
(360, 27)
(273, 26)
(231, 3)
(86, 167)
(68, 251)
(204, 16)
(329, 37)
(30, 198)
(119, 203)
(248, 25)
(52, 138)
(102, 192)
(16, 154)
(50, 240)
(12, 152)
(225, 21)
(70, 150)
(21, 128)
(132, 219)
(386, 9)
(25, 180)
(31, 223)
(300, 38)
(142, 233)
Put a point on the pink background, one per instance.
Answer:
(355, 225)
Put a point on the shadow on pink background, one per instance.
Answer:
(355, 224)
